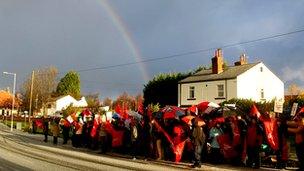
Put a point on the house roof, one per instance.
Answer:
(76, 103)
(230, 72)
(54, 99)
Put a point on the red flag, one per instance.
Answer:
(207, 107)
(76, 124)
(301, 110)
(178, 150)
(193, 109)
(271, 130)
(86, 113)
(236, 133)
(188, 119)
(215, 121)
(122, 110)
(254, 112)
(162, 131)
(39, 123)
(220, 120)
(226, 146)
(169, 115)
(118, 109)
(95, 127)
(117, 136)
(125, 114)
(140, 107)
(178, 131)
(177, 144)
(66, 123)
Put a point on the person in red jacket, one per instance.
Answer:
(45, 121)
(297, 127)
(282, 152)
(254, 140)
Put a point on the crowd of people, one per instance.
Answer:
(191, 137)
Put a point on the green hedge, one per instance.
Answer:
(245, 105)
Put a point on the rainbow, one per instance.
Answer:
(127, 36)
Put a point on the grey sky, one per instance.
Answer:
(78, 34)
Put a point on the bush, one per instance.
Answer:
(163, 88)
(69, 110)
(27, 129)
(245, 105)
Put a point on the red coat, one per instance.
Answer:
(253, 138)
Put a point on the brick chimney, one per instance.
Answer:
(243, 60)
(217, 62)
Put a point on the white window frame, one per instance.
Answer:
(191, 90)
(262, 94)
(220, 90)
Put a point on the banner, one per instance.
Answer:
(226, 146)
(278, 106)
(178, 150)
(271, 130)
(294, 109)
(117, 136)
(70, 119)
(177, 143)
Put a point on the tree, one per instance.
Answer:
(245, 105)
(163, 89)
(294, 89)
(69, 85)
(107, 102)
(93, 102)
(200, 68)
(225, 65)
(44, 85)
(6, 100)
(139, 100)
(125, 101)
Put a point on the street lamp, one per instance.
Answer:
(14, 87)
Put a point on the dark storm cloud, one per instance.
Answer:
(75, 34)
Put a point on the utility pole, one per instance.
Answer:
(31, 96)
(36, 102)
(14, 93)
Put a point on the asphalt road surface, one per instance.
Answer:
(22, 151)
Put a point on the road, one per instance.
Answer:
(22, 151)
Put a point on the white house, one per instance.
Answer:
(247, 81)
(62, 102)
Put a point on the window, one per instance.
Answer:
(220, 90)
(261, 69)
(262, 94)
(191, 92)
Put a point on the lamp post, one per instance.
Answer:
(13, 104)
